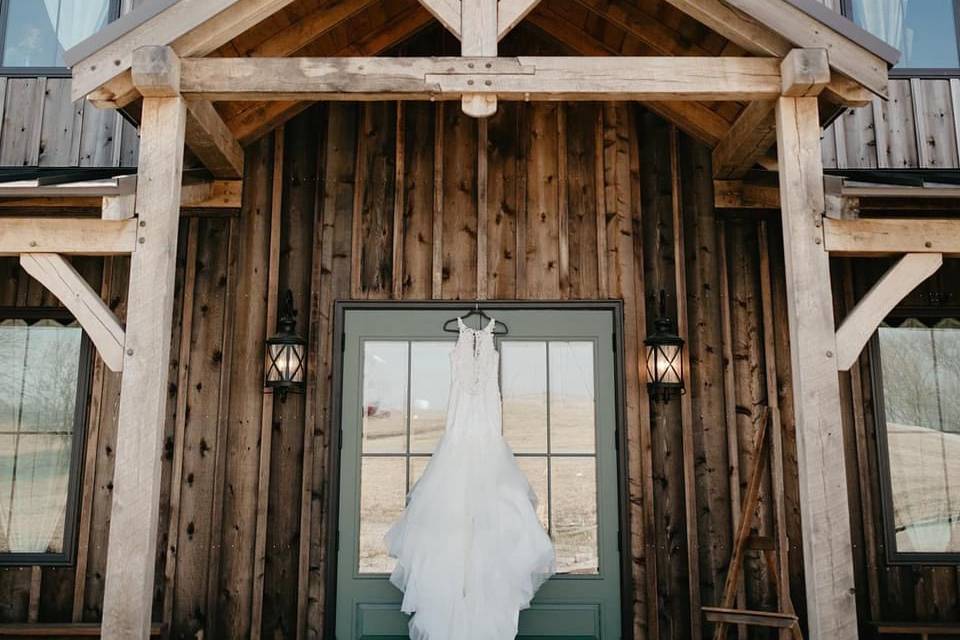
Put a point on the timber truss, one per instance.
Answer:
(787, 64)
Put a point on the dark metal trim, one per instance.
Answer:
(116, 29)
(47, 72)
(846, 7)
(846, 27)
(336, 389)
(81, 409)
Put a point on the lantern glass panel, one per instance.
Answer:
(669, 364)
(284, 363)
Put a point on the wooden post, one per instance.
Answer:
(827, 553)
(131, 554)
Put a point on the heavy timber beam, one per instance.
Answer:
(756, 38)
(511, 12)
(70, 236)
(890, 236)
(131, 551)
(827, 548)
(156, 73)
(93, 314)
(805, 72)
(866, 316)
(191, 27)
(648, 78)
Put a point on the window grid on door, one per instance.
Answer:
(580, 519)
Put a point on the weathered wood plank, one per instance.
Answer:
(240, 473)
(502, 186)
(135, 511)
(334, 284)
(417, 184)
(581, 201)
(541, 253)
(648, 78)
(22, 122)
(826, 526)
(459, 206)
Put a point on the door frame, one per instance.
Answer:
(615, 307)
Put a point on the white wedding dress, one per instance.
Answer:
(470, 549)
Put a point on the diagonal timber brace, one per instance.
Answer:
(866, 316)
(93, 314)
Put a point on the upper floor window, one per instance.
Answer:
(925, 31)
(35, 33)
(918, 415)
(43, 392)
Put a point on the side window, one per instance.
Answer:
(925, 32)
(43, 392)
(917, 364)
(36, 32)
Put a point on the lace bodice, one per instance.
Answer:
(475, 358)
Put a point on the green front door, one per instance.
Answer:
(558, 380)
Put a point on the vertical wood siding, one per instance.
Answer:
(578, 203)
(41, 126)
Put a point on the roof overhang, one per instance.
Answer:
(196, 27)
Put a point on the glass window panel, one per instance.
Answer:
(384, 397)
(574, 514)
(38, 390)
(430, 390)
(572, 415)
(417, 465)
(382, 498)
(39, 31)
(924, 31)
(920, 389)
(535, 468)
(523, 368)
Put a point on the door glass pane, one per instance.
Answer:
(572, 428)
(535, 468)
(384, 397)
(523, 368)
(430, 389)
(573, 507)
(921, 395)
(382, 498)
(39, 31)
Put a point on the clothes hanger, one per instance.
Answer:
(499, 328)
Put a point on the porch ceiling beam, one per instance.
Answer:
(523, 78)
(447, 13)
(805, 72)
(156, 73)
(694, 118)
(511, 12)
(890, 236)
(750, 137)
(798, 27)
(71, 236)
(209, 138)
(191, 27)
(748, 31)
(62, 280)
(866, 316)
(825, 515)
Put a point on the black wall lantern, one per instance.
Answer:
(664, 356)
(286, 353)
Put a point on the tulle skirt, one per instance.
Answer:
(471, 552)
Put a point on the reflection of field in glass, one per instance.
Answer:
(925, 477)
(574, 507)
(570, 502)
(381, 503)
(35, 522)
